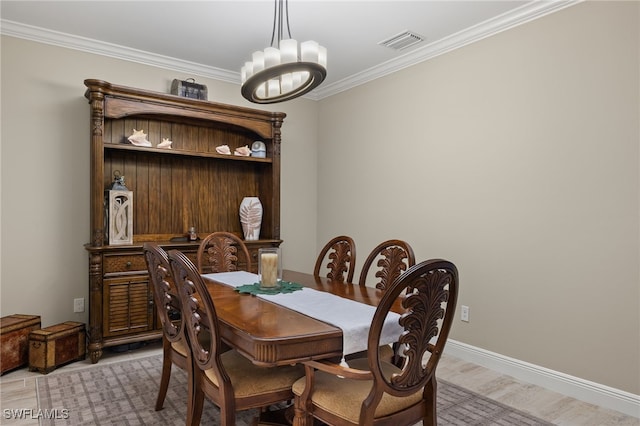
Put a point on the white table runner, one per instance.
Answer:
(354, 318)
(234, 279)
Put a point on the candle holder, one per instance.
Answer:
(269, 268)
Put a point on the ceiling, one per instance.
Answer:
(215, 38)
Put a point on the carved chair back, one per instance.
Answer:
(202, 329)
(340, 257)
(223, 375)
(175, 347)
(406, 394)
(222, 252)
(165, 294)
(429, 293)
(199, 314)
(393, 258)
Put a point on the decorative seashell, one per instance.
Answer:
(223, 149)
(166, 143)
(242, 151)
(139, 138)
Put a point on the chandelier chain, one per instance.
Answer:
(278, 21)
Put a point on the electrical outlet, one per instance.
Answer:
(78, 305)
(464, 313)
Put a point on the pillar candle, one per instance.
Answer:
(269, 264)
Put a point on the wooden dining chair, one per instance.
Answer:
(393, 258)
(222, 252)
(175, 349)
(371, 391)
(228, 379)
(339, 256)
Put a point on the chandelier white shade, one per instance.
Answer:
(285, 70)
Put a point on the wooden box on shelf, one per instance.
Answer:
(14, 340)
(193, 184)
(57, 345)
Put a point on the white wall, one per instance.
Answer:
(516, 158)
(45, 172)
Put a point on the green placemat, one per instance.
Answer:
(285, 287)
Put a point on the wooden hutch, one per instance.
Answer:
(189, 185)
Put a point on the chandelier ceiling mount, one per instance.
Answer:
(286, 69)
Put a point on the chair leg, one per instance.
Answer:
(190, 392)
(301, 417)
(430, 392)
(166, 374)
(227, 417)
(195, 394)
(195, 414)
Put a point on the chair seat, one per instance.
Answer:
(250, 380)
(347, 402)
(385, 353)
(180, 347)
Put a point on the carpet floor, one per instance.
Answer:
(124, 393)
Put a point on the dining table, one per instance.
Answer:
(270, 334)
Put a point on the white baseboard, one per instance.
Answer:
(575, 387)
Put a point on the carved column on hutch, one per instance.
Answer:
(96, 103)
(277, 139)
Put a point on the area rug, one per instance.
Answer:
(124, 393)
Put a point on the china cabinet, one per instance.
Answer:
(189, 185)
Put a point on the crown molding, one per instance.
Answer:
(56, 38)
(514, 18)
(518, 16)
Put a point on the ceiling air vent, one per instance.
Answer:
(402, 40)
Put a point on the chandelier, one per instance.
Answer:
(283, 71)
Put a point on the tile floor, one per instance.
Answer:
(18, 391)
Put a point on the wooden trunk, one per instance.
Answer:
(14, 340)
(57, 345)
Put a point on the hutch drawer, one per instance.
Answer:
(129, 262)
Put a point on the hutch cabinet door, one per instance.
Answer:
(128, 306)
